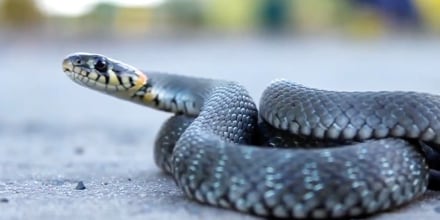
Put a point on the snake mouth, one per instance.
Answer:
(87, 77)
(100, 73)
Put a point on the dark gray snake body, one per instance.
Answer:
(210, 147)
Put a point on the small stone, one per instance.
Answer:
(129, 179)
(79, 151)
(4, 200)
(80, 186)
(105, 183)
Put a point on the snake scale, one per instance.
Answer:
(355, 153)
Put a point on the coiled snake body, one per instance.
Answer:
(372, 162)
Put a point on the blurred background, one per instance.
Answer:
(54, 132)
(141, 18)
(341, 45)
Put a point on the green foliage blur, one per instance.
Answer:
(361, 18)
(19, 13)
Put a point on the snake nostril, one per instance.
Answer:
(77, 61)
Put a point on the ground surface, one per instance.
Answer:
(54, 134)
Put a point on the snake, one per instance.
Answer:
(303, 153)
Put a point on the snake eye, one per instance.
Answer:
(101, 65)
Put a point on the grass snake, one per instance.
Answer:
(329, 154)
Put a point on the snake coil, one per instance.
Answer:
(358, 153)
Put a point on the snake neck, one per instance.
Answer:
(173, 93)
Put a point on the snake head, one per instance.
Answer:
(104, 74)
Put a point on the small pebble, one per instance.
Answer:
(4, 200)
(105, 183)
(129, 179)
(79, 151)
(80, 186)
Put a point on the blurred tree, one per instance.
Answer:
(183, 13)
(232, 15)
(365, 23)
(133, 21)
(20, 13)
(430, 13)
(317, 16)
(100, 20)
(274, 14)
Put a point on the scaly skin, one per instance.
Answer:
(209, 147)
